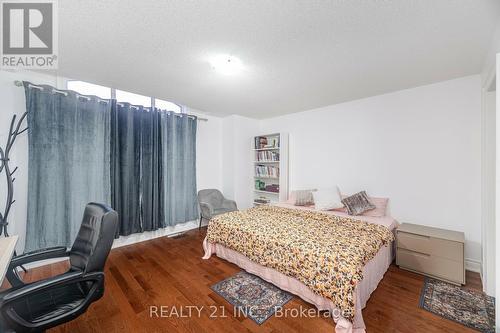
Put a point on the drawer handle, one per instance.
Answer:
(416, 252)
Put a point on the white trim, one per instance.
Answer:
(473, 265)
(497, 199)
(62, 83)
(149, 235)
(134, 239)
(489, 79)
(486, 248)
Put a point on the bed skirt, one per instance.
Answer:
(373, 272)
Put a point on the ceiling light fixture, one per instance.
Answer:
(226, 64)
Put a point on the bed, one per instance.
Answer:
(341, 289)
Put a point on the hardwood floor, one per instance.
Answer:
(170, 272)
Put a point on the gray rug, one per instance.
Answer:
(252, 296)
(470, 308)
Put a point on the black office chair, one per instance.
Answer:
(40, 305)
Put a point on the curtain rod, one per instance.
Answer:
(20, 84)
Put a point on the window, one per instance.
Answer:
(86, 88)
(135, 99)
(166, 105)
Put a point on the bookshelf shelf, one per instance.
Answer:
(268, 192)
(260, 149)
(271, 168)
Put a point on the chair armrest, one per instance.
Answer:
(8, 311)
(207, 210)
(41, 285)
(13, 276)
(229, 204)
(43, 254)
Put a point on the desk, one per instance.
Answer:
(7, 247)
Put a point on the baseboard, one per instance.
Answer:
(473, 265)
(149, 235)
(133, 239)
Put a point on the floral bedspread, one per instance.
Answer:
(325, 252)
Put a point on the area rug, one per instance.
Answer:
(251, 296)
(470, 308)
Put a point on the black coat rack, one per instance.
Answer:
(14, 131)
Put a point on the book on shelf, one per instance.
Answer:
(261, 185)
(267, 142)
(267, 156)
(275, 188)
(262, 200)
(267, 171)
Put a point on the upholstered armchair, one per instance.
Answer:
(213, 203)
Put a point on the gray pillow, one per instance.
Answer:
(358, 203)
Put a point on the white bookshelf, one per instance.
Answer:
(270, 167)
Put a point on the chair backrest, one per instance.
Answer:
(211, 196)
(95, 238)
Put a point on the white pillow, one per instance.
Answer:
(327, 199)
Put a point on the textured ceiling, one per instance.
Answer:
(298, 54)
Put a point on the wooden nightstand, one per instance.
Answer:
(431, 251)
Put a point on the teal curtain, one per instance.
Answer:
(137, 168)
(126, 167)
(179, 163)
(152, 185)
(69, 159)
(141, 161)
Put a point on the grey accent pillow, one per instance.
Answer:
(358, 203)
(303, 198)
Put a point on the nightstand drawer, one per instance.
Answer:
(414, 242)
(432, 265)
(430, 245)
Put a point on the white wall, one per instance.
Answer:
(209, 155)
(208, 151)
(238, 171)
(420, 147)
